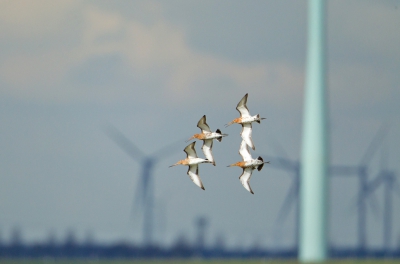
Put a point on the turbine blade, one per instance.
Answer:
(278, 149)
(124, 143)
(167, 150)
(367, 196)
(279, 162)
(287, 204)
(375, 183)
(384, 156)
(374, 205)
(372, 147)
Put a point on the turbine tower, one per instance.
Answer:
(144, 195)
(388, 179)
(314, 153)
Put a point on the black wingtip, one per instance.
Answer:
(203, 188)
(219, 132)
(259, 168)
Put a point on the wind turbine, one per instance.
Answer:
(361, 171)
(388, 179)
(293, 167)
(144, 195)
(292, 196)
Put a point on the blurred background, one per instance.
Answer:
(97, 99)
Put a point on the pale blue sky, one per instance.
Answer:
(154, 68)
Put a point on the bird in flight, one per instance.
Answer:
(245, 120)
(193, 161)
(207, 136)
(248, 165)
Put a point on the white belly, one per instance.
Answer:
(212, 135)
(253, 163)
(250, 119)
(196, 161)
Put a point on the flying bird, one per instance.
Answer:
(245, 120)
(207, 136)
(248, 165)
(192, 161)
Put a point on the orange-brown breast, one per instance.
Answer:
(237, 120)
(184, 161)
(239, 164)
(200, 136)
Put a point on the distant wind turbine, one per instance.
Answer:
(361, 171)
(391, 186)
(144, 195)
(292, 197)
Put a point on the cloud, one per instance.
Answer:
(155, 56)
(368, 27)
(64, 43)
(26, 19)
(363, 46)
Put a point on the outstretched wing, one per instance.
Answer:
(202, 124)
(242, 107)
(244, 151)
(190, 151)
(207, 147)
(193, 173)
(245, 179)
(246, 135)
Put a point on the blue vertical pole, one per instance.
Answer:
(314, 153)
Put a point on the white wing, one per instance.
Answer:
(207, 146)
(245, 179)
(242, 107)
(246, 135)
(203, 125)
(244, 151)
(190, 151)
(193, 173)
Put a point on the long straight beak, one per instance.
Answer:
(192, 137)
(230, 123)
